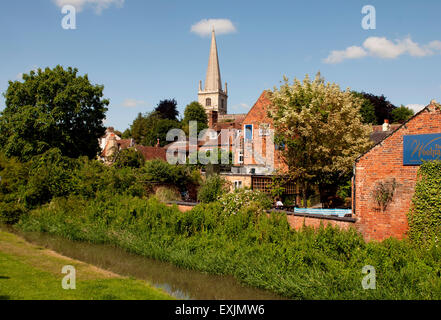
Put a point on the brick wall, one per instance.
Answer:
(297, 222)
(383, 163)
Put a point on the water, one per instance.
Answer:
(178, 282)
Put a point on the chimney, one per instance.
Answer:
(212, 118)
(158, 144)
(386, 125)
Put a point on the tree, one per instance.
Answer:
(54, 108)
(383, 107)
(321, 128)
(195, 112)
(367, 109)
(147, 129)
(402, 114)
(130, 158)
(167, 109)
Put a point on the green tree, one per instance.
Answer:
(367, 109)
(195, 112)
(321, 128)
(54, 108)
(402, 114)
(383, 107)
(147, 129)
(130, 157)
(167, 109)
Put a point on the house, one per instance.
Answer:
(394, 162)
(111, 143)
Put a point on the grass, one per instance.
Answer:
(29, 272)
(258, 250)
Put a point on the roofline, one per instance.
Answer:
(393, 132)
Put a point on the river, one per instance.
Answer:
(178, 282)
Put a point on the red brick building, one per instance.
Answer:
(384, 164)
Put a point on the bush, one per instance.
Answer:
(130, 158)
(212, 188)
(260, 250)
(425, 214)
(165, 194)
(233, 202)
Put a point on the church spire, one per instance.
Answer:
(213, 80)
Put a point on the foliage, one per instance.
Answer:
(259, 250)
(212, 188)
(345, 189)
(147, 129)
(130, 157)
(54, 108)
(383, 107)
(384, 192)
(195, 112)
(167, 109)
(367, 109)
(425, 216)
(165, 194)
(242, 198)
(401, 114)
(321, 128)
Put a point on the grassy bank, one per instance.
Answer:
(29, 272)
(258, 250)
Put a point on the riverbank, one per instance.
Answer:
(30, 272)
(258, 250)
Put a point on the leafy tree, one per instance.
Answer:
(402, 114)
(147, 129)
(321, 128)
(195, 112)
(127, 134)
(367, 109)
(383, 107)
(54, 108)
(167, 109)
(130, 157)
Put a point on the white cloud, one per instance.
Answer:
(132, 103)
(221, 26)
(353, 52)
(98, 5)
(416, 107)
(381, 47)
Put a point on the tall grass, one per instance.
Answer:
(259, 250)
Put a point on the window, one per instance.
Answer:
(249, 132)
(208, 102)
(264, 129)
(237, 184)
(222, 104)
(240, 157)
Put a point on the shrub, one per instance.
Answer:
(212, 188)
(425, 214)
(165, 194)
(130, 157)
(233, 202)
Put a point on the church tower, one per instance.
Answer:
(212, 96)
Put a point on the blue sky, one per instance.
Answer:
(145, 51)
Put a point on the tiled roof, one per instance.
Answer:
(151, 153)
